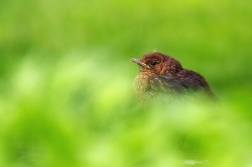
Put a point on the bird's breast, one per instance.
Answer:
(142, 86)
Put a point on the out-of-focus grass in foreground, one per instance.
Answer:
(66, 83)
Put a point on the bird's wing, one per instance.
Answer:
(166, 84)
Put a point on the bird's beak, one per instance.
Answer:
(138, 61)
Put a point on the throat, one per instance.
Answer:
(141, 86)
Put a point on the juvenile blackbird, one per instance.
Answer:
(161, 77)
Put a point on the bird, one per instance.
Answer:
(162, 77)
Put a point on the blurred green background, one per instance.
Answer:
(66, 83)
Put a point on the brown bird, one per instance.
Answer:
(161, 77)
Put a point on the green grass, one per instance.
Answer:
(66, 83)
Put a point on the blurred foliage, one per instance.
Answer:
(66, 83)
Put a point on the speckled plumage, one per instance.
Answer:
(161, 76)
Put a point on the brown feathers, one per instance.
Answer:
(162, 76)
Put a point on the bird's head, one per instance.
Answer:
(158, 63)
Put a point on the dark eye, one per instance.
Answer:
(154, 63)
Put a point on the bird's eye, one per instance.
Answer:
(154, 63)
